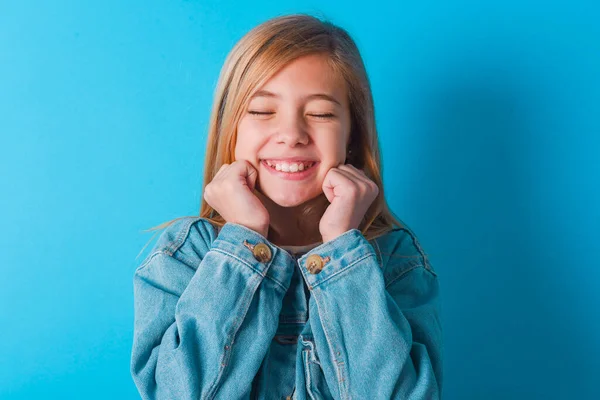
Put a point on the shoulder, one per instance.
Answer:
(186, 238)
(400, 251)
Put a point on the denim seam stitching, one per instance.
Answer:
(332, 345)
(174, 245)
(404, 272)
(293, 318)
(339, 368)
(307, 373)
(379, 257)
(276, 282)
(149, 258)
(424, 256)
(262, 239)
(250, 266)
(370, 254)
(235, 329)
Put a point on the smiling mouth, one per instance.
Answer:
(293, 167)
(295, 173)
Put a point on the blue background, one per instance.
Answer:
(489, 121)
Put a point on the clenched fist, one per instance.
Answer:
(230, 193)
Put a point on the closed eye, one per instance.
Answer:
(324, 116)
(260, 113)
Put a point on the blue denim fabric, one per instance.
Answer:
(213, 322)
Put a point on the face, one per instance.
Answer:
(298, 122)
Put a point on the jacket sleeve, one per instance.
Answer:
(205, 314)
(377, 338)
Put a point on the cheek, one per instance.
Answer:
(241, 148)
(242, 139)
(248, 144)
(333, 150)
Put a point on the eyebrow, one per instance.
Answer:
(323, 96)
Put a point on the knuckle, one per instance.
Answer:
(354, 190)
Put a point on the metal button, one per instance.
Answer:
(262, 252)
(314, 263)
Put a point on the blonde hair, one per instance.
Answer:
(259, 55)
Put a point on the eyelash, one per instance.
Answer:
(323, 116)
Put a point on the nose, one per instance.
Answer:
(291, 131)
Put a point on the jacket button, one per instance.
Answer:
(262, 252)
(314, 263)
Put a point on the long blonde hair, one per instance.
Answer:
(259, 55)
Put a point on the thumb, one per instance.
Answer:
(328, 188)
(251, 175)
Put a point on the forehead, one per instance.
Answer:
(306, 75)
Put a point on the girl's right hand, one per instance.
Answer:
(230, 194)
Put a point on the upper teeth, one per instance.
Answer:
(290, 167)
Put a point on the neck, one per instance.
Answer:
(291, 226)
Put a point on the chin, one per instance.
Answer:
(290, 198)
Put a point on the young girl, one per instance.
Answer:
(296, 281)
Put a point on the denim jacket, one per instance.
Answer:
(215, 319)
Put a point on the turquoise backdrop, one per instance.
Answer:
(489, 120)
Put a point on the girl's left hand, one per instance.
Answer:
(350, 193)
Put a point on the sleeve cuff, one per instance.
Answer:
(230, 241)
(337, 255)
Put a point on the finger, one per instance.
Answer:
(219, 172)
(363, 182)
(331, 180)
(353, 169)
(246, 172)
(359, 173)
(334, 179)
(355, 174)
(252, 175)
(223, 166)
